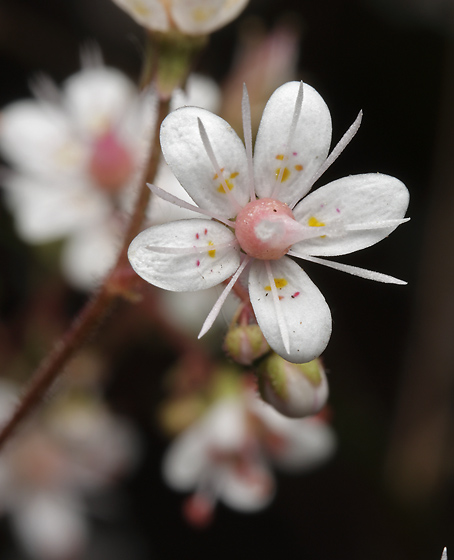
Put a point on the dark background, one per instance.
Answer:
(393, 61)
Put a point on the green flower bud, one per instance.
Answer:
(295, 390)
(245, 343)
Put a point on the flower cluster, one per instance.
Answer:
(227, 455)
(259, 215)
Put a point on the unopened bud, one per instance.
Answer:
(245, 343)
(295, 390)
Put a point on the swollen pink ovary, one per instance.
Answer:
(264, 227)
(111, 163)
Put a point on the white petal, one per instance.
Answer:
(310, 443)
(186, 460)
(48, 211)
(98, 98)
(308, 148)
(204, 16)
(249, 487)
(149, 13)
(50, 527)
(185, 256)
(185, 153)
(358, 199)
(90, 254)
(161, 211)
(200, 91)
(305, 311)
(38, 139)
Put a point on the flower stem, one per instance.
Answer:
(95, 309)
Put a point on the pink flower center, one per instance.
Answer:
(111, 163)
(264, 229)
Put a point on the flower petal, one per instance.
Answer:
(308, 147)
(247, 487)
(204, 16)
(304, 309)
(366, 199)
(184, 256)
(46, 211)
(97, 97)
(185, 153)
(37, 139)
(149, 13)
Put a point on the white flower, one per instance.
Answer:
(227, 455)
(220, 175)
(192, 17)
(76, 154)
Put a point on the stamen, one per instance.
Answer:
(192, 249)
(209, 150)
(91, 55)
(220, 301)
(336, 152)
(187, 205)
(282, 325)
(354, 270)
(295, 118)
(383, 224)
(46, 90)
(247, 132)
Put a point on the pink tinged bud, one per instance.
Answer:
(111, 163)
(294, 390)
(245, 344)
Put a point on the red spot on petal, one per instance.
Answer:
(206, 231)
(295, 153)
(196, 235)
(296, 294)
(198, 263)
(337, 210)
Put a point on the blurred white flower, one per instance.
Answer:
(227, 455)
(192, 17)
(75, 449)
(76, 156)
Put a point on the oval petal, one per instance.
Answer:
(307, 150)
(204, 16)
(304, 309)
(185, 153)
(185, 256)
(358, 199)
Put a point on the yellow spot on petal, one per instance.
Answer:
(313, 222)
(221, 186)
(200, 15)
(140, 8)
(211, 253)
(285, 174)
(298, 167)
(234, 175)
(279, 283)
(280, 157)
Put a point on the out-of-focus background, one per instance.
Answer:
(387, 493)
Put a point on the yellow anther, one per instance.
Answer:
(285, 174)
(279, 283)
(313, 222)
